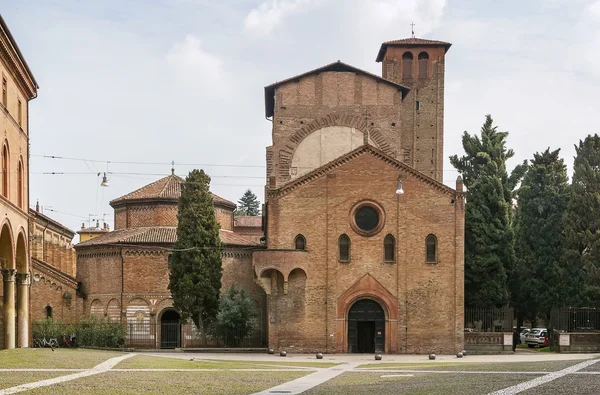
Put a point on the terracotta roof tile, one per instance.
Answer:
(166, 188)
(409, 42)
(159, 235)
(247, 221)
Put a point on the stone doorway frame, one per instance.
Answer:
(368, 288)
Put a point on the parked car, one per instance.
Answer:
(537, 337)
(523, 334)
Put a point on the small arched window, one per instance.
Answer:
(407, 65)
(389, 249)
(48, 312)
(423, 64)
(20, 184)
(431, 249)
(300, 242)
(344, 248)
(5, 171)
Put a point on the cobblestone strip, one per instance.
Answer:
(101, 368)
(305, 383)
(515, 389)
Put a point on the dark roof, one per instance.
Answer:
(410, 42)
(13, 42)
(362, 150)
(336, 66)
(158, 235)
(167, 188)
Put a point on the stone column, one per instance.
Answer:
(8, 301)
(23, 309)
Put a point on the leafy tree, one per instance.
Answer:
(489, 238)
(248, 205)
(582, 227)
(235, 317)
(195, 275)
(542, 201)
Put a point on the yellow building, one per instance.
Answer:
(18, 88)
(92, 232)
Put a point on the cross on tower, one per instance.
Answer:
(412, 27)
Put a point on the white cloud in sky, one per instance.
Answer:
(270, 14)
(190, 60)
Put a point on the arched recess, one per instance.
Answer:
(366, 327)
(351, 122)
(368, 288)
(21, 254)
(170, 328)
(407, 65)
(96, 308)
(5, 163)
(6, 247)
(273, 281)
(423, 64)
(296, 291)
(113, 310)
(20, 184)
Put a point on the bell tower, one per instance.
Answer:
(419, 65)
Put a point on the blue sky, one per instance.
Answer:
(156, 81)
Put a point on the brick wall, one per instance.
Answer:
(428, 296)
(332, 99)
(422, 129)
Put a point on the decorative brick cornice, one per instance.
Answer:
(146, 252)
(97, 254)
(363, 150)
(230, 253)
(12, 57)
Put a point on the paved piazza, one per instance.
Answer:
(219, 373)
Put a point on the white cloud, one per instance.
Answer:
(192, 62)
(271, 13)
(426, 14)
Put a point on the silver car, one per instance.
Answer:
(536, 337)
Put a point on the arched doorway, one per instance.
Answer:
(366, 327)
(170, 329)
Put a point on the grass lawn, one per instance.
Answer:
(230, 383)
(12, 379)
(420, 383)
(60, 358)
(550, 366)
(150, 362)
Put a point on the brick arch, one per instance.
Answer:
(368, 288)
(352, 121)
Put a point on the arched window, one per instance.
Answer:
(20, 184)
(423, 64)
(300, 242)
(344, 248)
(407, 62)
(431, 249)
(48, 312)
(5, 171)
(389, 249)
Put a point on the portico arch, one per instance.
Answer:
(367, 287)
(7, 262)
(22, 279)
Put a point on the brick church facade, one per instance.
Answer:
(364, 244)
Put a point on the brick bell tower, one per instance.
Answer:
(419, 65)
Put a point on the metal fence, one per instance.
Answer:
(576, 319)
(489, 319)
(175, 335)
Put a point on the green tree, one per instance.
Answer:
(489, 238)
(195, 275)
(236, 315)
(248, 204)
(581, 275)
(542, 200)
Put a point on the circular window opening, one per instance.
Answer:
(367, 219)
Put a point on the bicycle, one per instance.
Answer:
(41, 343)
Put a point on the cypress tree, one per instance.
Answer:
(542, 201)
(195, 275)
(489, 238)
(582, 227)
